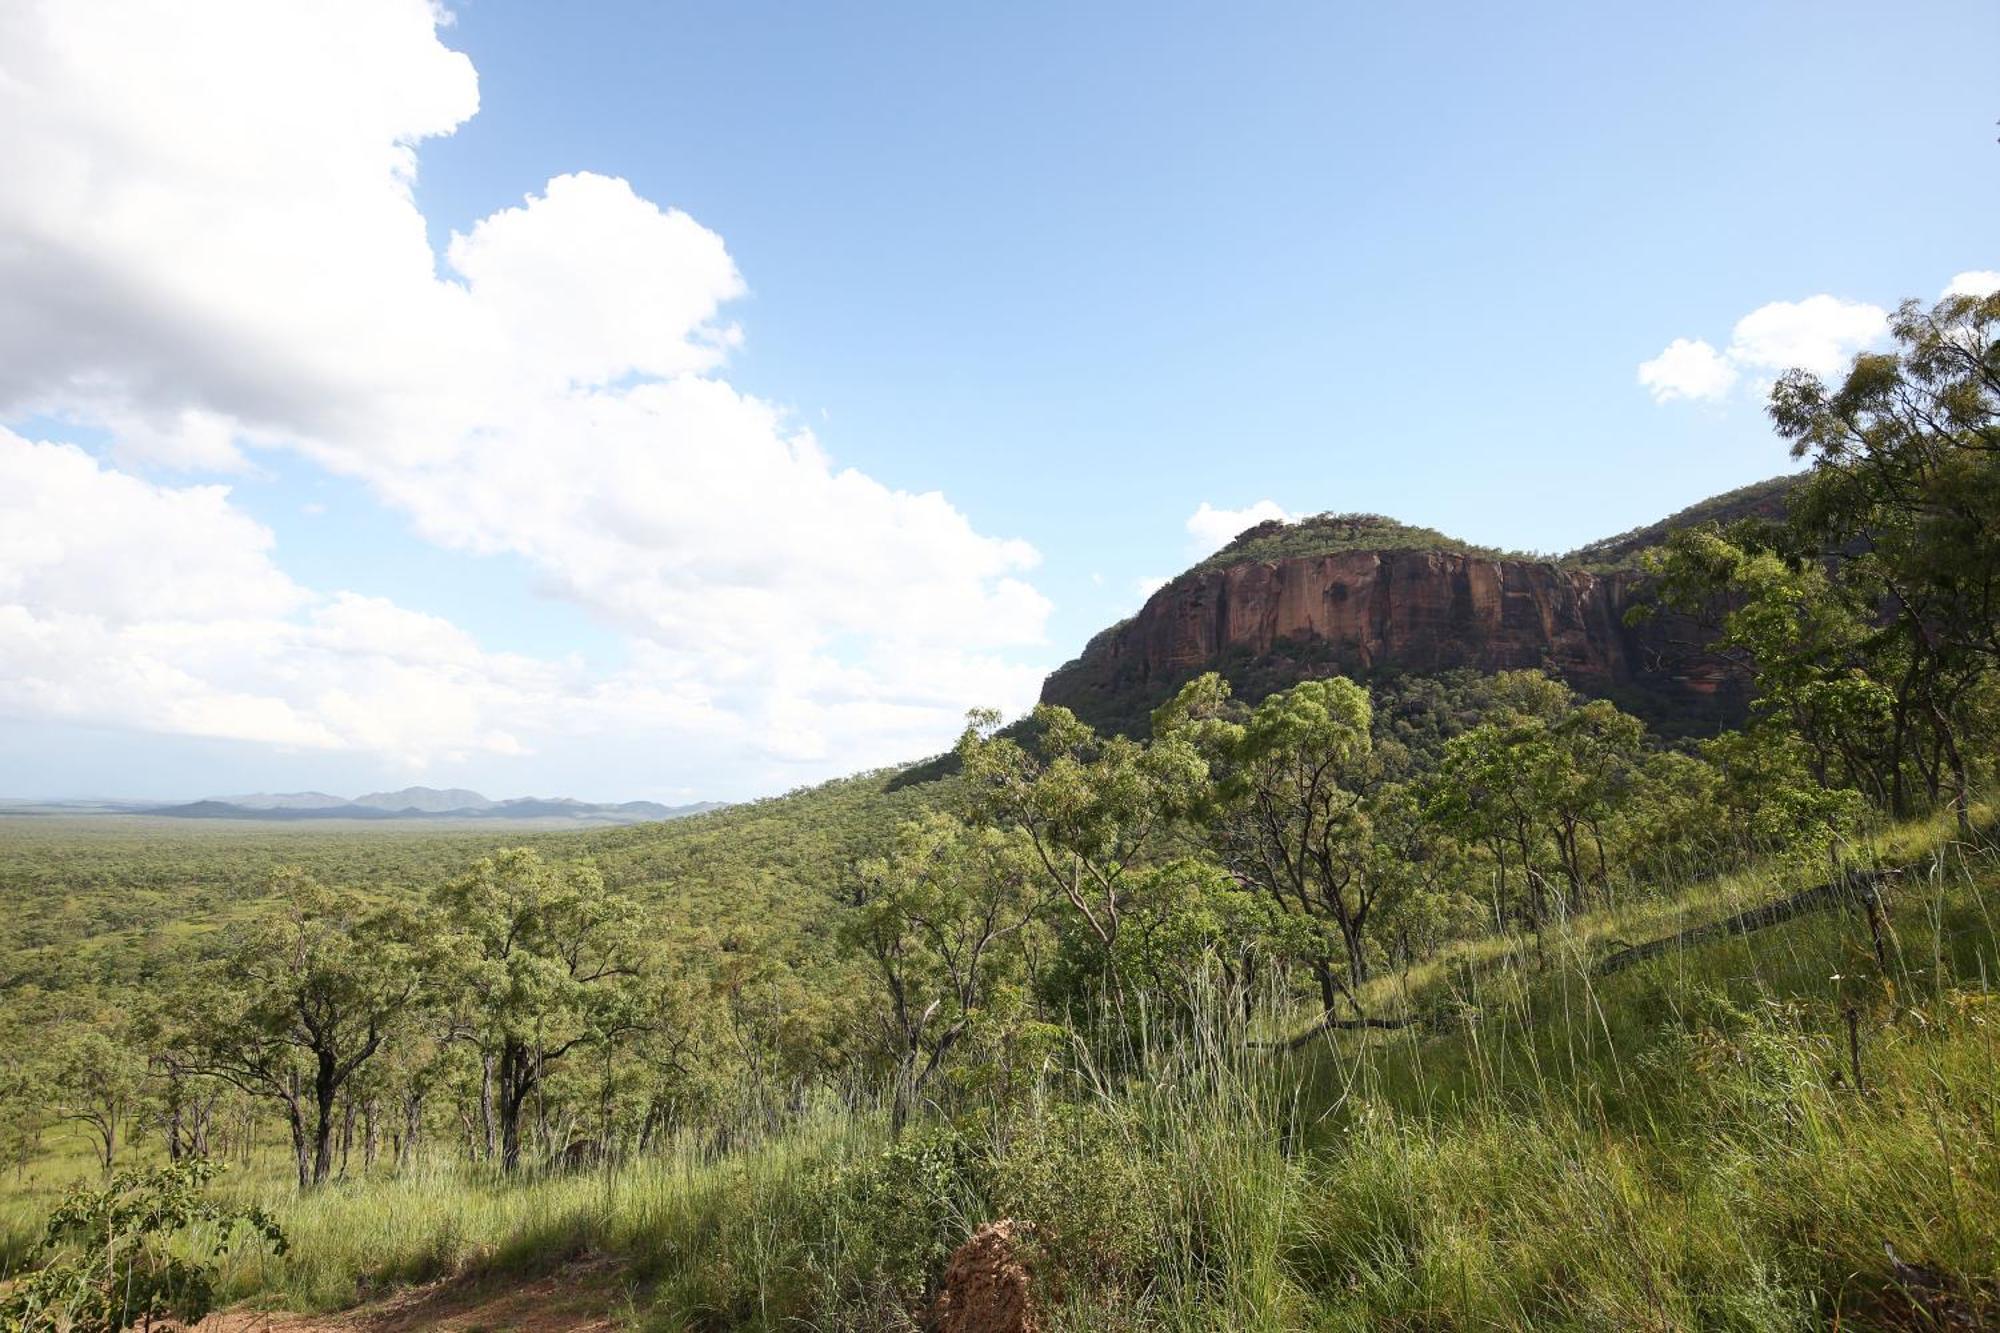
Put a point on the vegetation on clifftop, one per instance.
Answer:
(1332, 534)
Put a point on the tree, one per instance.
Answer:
(97, 1080)
(1904, 500)
(1820, 663)
(1092, 807)
(934, 916)
(1535, 785)
(1289, 812)
(545, 961)
(310, 995)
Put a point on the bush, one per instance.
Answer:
(139, 1250)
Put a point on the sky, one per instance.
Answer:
(699, 400)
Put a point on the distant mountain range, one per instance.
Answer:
(409, 803)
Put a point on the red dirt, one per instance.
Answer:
(578, 1299)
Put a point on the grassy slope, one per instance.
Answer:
(1677, 1146)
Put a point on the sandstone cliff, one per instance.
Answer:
(1267, 623)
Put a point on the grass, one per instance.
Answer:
(1678, 1146)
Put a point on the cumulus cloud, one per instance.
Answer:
(124, 602)
(1977, 282)
(1210, 529)
(1689, 368)
(210, 245)
(1821, 334)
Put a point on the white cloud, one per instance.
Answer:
(209, 243)
(1977, 282)
(1689, 368)
(588, 282)
(1147, 587)
(1210, 529)
(1821, 334)
(127, 603)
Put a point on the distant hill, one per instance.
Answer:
(428, 800)
(424, 803)
(288, 800)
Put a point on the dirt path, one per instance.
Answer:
(581, 1298)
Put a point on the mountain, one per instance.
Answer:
(427, 803)
(292, 800)
(425, 800)
(1366, 596)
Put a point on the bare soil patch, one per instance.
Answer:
(581, 1297)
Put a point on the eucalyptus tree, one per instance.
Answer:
(1292, 811)
(936, 917)
(307, 997)
(1535, 784)
(95, 1079)
(543, 959)
(1093, 808)
(1904, 497)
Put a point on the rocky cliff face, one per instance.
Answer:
(1266, 624)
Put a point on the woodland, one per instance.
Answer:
(1454, 1001)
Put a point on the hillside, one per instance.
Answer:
(1776, 1129)
(1764, 499)
(1368, 597)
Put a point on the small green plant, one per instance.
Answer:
(138, 1253)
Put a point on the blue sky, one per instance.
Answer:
(1078, 268)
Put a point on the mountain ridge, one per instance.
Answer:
(422, 803)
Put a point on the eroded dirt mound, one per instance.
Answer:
(986, 1286)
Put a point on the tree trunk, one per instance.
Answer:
(1329, 989)
(413, 1113)
(295, 1119)
(486, 1102)
(324, 1091)
(517, 1081)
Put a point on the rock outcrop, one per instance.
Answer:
(1366, 613)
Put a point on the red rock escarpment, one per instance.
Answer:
(1265, 624)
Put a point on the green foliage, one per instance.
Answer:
(1871, 620)
(545, 962)
(1537, 787)
(304, 1000)
(894, 1218)
(938, 917)
(140, 1250)
(1331, 534)
(1091, 807)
